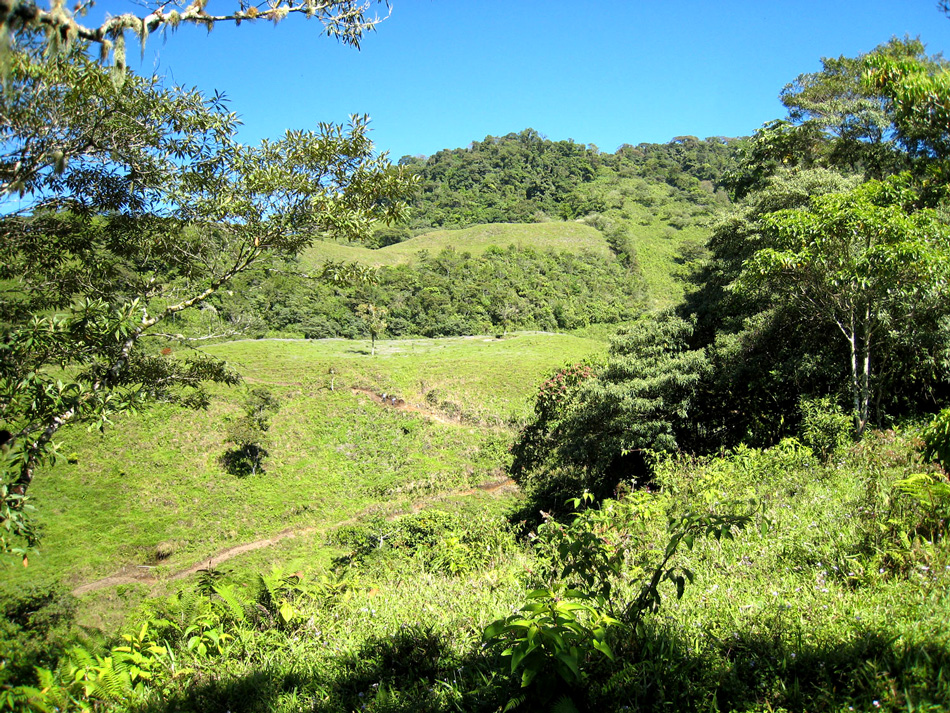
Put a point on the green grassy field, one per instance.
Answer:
(150, 492)
(832, 597)
(571, 237)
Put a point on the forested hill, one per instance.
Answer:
(524, 178)
(652, 202)
(514, 232)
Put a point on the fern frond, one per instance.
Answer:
(564, 705)
(514, 702)
(236, 606)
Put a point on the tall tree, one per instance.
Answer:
(920, 94)
(864, 260)
(126, 206)
(839, 120)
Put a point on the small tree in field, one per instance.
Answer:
(248, 433)
(375, 320)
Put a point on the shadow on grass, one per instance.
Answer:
(658, 669)
(244, 461)
(410, 671)
(870, 671)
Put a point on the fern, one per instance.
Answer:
(112, 682)
(564, 705)
(236, 607)
(514, 702)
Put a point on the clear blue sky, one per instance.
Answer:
(442, 73)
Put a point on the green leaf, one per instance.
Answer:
(602, 646)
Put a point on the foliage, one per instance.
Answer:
(865, 261)
(563, 624)
(837, 119)
(597, 430)
(937, 439)
(441, 541)
(525, 177)
(932, 493)
(375, 320)
(248, 433)
(739, 636)
(557, 629)
(919, 90)
(35, 628)
(19, 533)
(126, 229)
(445, 293)
(824, 428)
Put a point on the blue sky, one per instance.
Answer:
(442, 73)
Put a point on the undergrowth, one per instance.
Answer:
(827, 594)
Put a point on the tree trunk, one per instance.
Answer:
(860, 381)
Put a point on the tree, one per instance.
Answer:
(866, 261)
(248, 433)
(920, 94)
(136, 203)
(593, 426)
(845, 117)
(375, 320)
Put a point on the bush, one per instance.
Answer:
(825, 428)
(937, 439)
(34, 630)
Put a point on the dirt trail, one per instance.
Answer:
(394, 402)
(143, 574)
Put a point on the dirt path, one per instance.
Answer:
(142, 574)
(394, 402)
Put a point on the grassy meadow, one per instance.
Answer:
(150, 491)
(559, 236)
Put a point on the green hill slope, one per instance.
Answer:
(559, 236)
(149, 497)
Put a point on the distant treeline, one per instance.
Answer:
(524, 177)
(449, 293)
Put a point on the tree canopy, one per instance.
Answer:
(126, 205)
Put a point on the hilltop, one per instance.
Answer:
(571, 237)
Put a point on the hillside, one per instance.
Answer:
(653, 203)
(151, 492)
(480, 280)
(557, 236)
(367, 568)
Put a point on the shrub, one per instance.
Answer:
(825, 428)
(937, 439)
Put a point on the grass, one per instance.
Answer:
(833, 599)
(151, 491)
(657, 245)
(821, 604)
(559, 236)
